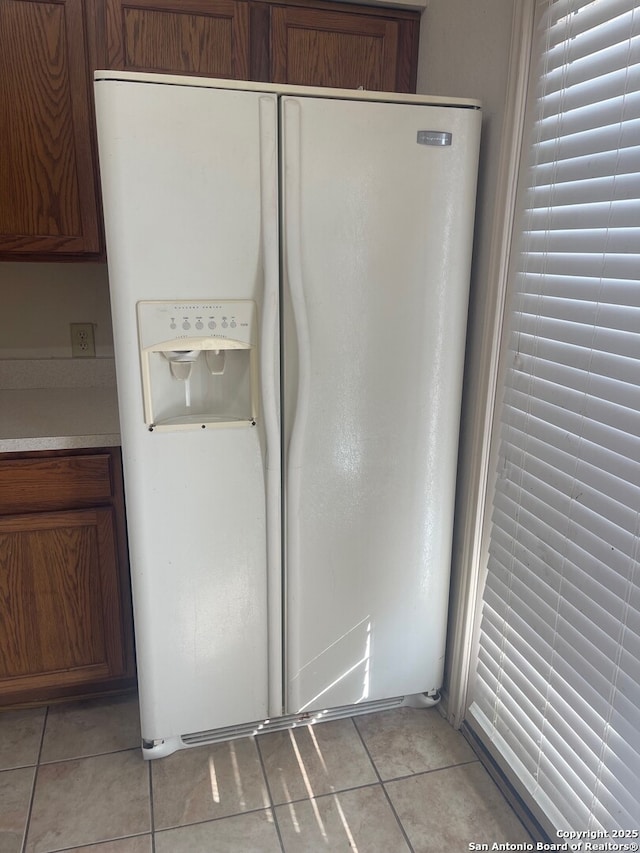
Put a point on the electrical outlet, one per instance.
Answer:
(82, 340)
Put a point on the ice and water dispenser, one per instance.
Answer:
(199, 363)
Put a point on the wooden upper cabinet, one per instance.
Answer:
(306, 42)
(50, 205)
(205, 37)
(362, 48)
(48, 183)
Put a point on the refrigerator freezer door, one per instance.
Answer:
(190, 190)
(377, 254)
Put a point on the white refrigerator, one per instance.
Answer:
(289, 274)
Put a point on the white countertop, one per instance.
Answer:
(77, 407)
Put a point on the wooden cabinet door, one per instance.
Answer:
(205, 37)
(321, 47)
(62, 621)
(48, 184)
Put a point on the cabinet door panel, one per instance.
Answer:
(320, 48)
(48, 186)
(60, 598)
(195, 37)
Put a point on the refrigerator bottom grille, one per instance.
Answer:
(288, 722)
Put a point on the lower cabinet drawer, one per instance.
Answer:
(60, 482)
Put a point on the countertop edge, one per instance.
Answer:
(58, 442)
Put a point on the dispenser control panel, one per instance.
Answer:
(169, 320)
(198, 362)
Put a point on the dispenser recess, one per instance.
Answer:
(198, 360)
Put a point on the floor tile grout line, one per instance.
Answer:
(329, 794)
(200, 821)
(36, 770)
(430, 770)
(91, 755)
(397, 817)
(366, 749)
(269, 794)
(152, 816)
(98, 843)
(384, 790)
(44, 729)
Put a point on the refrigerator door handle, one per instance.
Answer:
(293, 257)
(294, 274)
(269, 380)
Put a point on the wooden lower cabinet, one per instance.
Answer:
(66, 627)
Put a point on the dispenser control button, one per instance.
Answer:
(199, 324)
(224, 323)
(212, 324)
(233, 324)
(186, 325)
(172, 325)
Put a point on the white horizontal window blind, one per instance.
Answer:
(556, 693)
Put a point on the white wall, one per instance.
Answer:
(464, 51)
(38, 301)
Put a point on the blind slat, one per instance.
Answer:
(599, 263)
(605, 387)
(597, 164)
(586, 417)
(594, 115)
(580, 16)
(588, 189)
(610, 341)
(622, 213)
(625, 134)
(590, 82)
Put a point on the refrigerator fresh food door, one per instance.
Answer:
(190, 195)
(378, 211)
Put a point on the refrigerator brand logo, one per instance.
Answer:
(434, 137)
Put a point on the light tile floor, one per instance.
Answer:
(72, 778)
